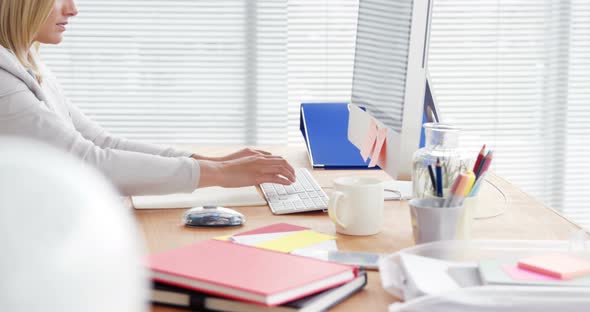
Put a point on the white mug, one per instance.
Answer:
(356, 205)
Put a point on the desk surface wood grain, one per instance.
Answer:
(523, 218)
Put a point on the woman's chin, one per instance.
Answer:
(53, 39)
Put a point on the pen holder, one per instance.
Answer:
(466, 219)
(432, 221)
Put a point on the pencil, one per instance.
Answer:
(479, 159)
(439, 179)
(485, 163)
(477, 185)
(432, 178)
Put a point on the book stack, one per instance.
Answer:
(220, 275)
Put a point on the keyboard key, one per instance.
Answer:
(298, 204)
(267, 187)
(308, 187)
(303, 195)
(281, 191)
(318, 202)
(278, 205)
(298, 188)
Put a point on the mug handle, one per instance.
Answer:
(333, 208)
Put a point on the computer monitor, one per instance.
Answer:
(390, 78)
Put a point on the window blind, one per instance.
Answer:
(321, 40)
(178, 71)
(512, 73)
(499, 71)
(577, 167)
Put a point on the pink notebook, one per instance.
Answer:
(247, 273)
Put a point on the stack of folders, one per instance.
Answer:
(215, 275)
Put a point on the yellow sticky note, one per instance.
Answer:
(294, 241)
(223, 238)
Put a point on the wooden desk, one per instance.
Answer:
(523, 218)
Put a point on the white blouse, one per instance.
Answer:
(42, 112)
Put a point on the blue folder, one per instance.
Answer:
(325, 129)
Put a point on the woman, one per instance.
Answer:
(33, 105)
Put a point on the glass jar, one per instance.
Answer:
(442, 142)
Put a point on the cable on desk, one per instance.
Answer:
(506, 202)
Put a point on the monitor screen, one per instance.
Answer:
(389, 79)
(381, 59)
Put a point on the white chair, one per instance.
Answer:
(66, 241)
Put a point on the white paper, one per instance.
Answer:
(397, 190)
(426, 276)
(255, 239)
(242, 196)
(321, 247)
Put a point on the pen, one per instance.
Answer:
(447, 201)
(470, 182)
(479, 159)
(439, 179)
(432, 179)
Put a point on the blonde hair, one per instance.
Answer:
(20, 21)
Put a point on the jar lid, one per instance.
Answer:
(441, 126)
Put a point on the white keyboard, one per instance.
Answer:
(304, 194)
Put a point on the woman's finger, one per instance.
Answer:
(262, 152)
(273, 178)
(277, 161)
(279, 170)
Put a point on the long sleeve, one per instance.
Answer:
(134, 173)
(99, 136)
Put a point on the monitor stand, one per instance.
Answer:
(402, 190)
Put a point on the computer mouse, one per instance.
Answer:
(212, 216)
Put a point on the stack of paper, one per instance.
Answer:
(213, 196)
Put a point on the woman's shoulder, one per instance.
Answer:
(10, 84)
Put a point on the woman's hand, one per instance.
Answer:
(246, 171)
(245, 152)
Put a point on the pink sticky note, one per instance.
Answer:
(562, 266)
(274, 228)
(524, 275)
(381, 135)
(369, 144)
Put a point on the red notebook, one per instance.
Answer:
(247, 273)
